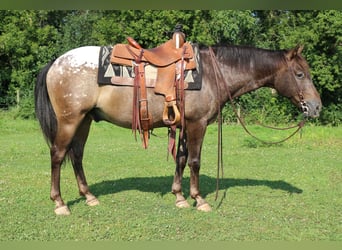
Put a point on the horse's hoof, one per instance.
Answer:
(64, 210)
(182, 204)
(205, 207)
(93, 202)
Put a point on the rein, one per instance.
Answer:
(217, 71)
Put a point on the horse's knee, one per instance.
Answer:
(181, 161)
(194, 164)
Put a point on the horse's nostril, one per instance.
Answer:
(311, 108)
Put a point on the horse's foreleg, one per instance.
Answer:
(181, 159)
(76, 155)
(196, 134)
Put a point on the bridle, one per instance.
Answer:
(302, 102)
(299, 126)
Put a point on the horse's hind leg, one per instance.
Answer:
(67, 135)
(58, 152)
(76, 156)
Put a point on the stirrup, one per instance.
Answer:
(166, 114)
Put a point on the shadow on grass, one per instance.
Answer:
(162, 185)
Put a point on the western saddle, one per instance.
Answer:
(170, 60)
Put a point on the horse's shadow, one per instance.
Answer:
(162, 185)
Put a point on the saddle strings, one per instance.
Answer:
(219, 124)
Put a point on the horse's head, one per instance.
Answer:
(294, 81)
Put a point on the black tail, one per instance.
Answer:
(43, 108)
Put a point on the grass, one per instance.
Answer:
(290, 191)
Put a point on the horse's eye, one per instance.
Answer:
(300, 75)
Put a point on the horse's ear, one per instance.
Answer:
(299, 49)
(290, 54)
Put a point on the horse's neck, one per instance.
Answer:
(247, 82)
(249, 75)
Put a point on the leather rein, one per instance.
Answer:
(218, 72)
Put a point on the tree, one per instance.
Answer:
(233, 27)
(26, 43)
(150, 28)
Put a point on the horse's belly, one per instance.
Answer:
(116, 105)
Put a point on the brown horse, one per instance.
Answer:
(68, 99)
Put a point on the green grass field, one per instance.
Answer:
(288, 192)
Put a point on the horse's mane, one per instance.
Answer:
(245, 57)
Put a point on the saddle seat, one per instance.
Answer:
(160, 56)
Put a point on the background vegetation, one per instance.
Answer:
(29, 39)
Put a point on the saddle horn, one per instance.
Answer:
(133, 43)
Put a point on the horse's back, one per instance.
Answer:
(72, 81)
(73, 90)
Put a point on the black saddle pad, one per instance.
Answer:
(107, 70)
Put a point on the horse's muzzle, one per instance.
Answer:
(311, 108)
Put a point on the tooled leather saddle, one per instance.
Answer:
(169, 60)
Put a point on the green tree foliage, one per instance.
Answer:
(233, 27)
(26, 44)
(30, 39)
(150, 27)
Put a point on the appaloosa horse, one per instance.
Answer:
(68, 98)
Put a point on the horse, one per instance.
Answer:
(68, 99)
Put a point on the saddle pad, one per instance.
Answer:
(107, 70)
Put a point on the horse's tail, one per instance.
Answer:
(43, 108)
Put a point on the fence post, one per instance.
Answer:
(18, 97)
